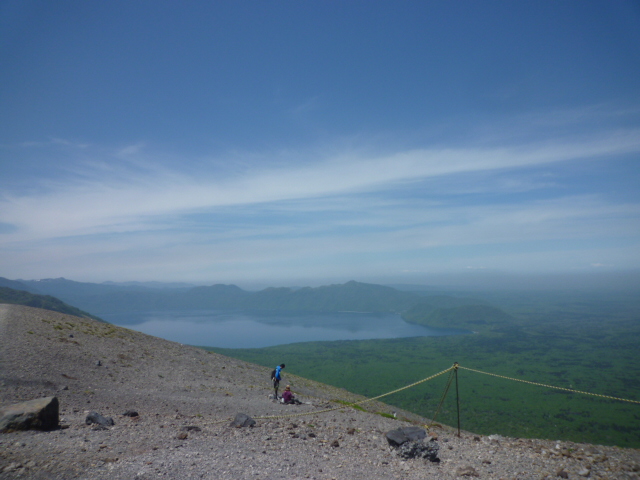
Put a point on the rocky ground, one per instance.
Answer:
(187, 397)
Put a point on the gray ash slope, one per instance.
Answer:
(186, 398)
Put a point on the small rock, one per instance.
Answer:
(182, 436)
(130, 413)
(95, 417)
(12, 467)
(191, 428)
(562, 473)
(584, 472)
(467, 471)
(335, 444)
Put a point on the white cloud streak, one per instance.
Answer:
(128, 200)
(135, 218)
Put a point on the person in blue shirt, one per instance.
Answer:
(276, 377)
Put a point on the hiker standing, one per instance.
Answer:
(276, 377)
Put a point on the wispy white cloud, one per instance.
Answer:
(120, 195)
(348, 206)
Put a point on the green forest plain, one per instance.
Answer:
(581, 341)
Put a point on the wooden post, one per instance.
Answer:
(457, 396)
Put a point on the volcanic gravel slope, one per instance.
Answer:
(186, 398)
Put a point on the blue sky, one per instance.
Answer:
(311, 142)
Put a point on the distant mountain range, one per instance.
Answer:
(423, 307)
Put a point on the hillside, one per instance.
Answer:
(186, 397)
(47, 302)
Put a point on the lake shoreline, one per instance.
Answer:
(257, 329)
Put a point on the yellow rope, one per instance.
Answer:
(273, 417)
(453, 367)
(551, 386)
(361, 401)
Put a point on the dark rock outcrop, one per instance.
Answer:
(38, 414)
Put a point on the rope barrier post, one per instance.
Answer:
(455, 369)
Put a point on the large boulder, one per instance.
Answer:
(38, 414)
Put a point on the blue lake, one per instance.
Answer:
(256, 330)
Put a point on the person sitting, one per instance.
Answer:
(288, 398)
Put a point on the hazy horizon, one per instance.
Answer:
(319, 142)
(604, 281)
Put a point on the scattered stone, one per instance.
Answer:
(420, 449)
(242, 420)
(467, 471)
(182, 436)
(562, 473)
(130, 413)
(335, 444)
(191, 428)
(12, 467)
(39, 414)
(95, 417)
(584, 472)
(98, 363)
